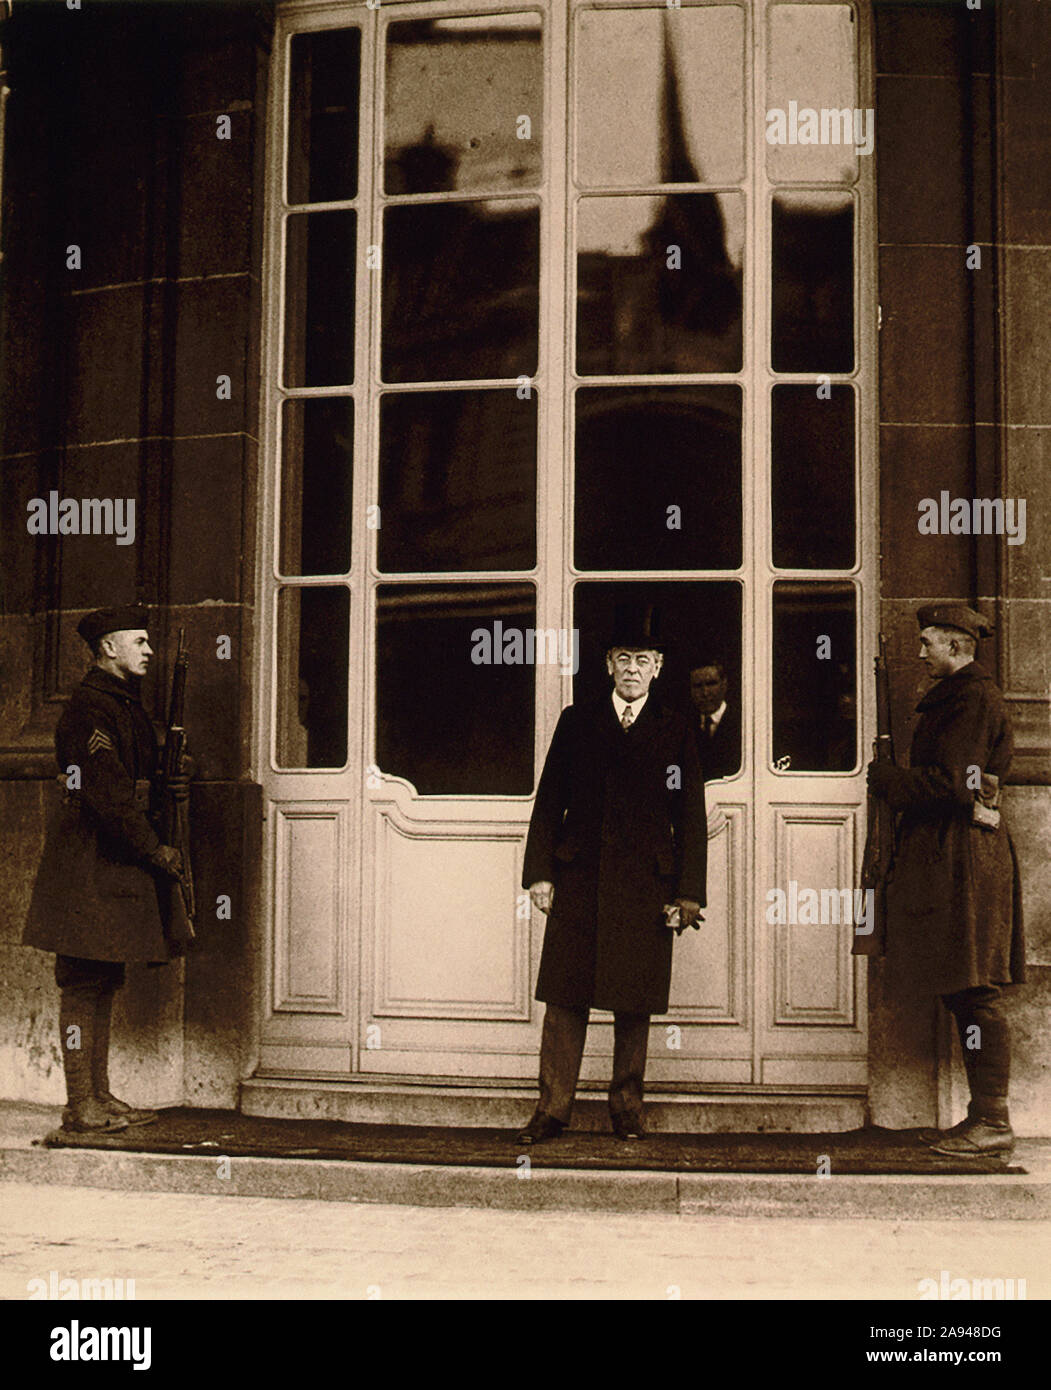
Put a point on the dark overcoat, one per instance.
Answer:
(618, 842)
(954, 903)
(95, 894)
(720, 751)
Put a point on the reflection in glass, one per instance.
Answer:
(457, 91)
(658, 478)
(812, 487)
(447, 721)
(457, 481)
(317, 462)
(312, 633)
(659, 283)
(319, 298)
(323, 116)
(700, 622)
(814, 677)
(684, 121)
(460, 291)
(813, 283)
(812, 63)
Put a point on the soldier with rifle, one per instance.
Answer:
(948, 887)
(110, 889)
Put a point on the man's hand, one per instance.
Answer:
(543, 895)
(168, 859)
(689, 915)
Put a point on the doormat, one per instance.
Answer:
(225, 1132)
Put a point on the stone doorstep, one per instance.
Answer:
(509, 1106)
(877, 1197)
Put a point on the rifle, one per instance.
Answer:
(175, 826)
(878, 860)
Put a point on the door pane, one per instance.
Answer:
(812, 487)
(323, 116)
(319, 298)
(659, 283)
(813, 282)
(312, 646)
(700, 624)
(684, 121)
(455, 695)
(658, 478)
(460, 290)
(317, 477)
(812, 67)
(457, 481)
(463, 104)
(814, 676)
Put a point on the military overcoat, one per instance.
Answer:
(954, 903)
(619, 827)
(96, 895)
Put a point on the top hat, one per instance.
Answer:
(636, 627)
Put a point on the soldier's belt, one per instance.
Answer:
(141, 797)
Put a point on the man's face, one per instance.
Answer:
(936, 652)
(707, 689)
(633, 671)
(129, 650)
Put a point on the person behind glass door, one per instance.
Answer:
(717, 726)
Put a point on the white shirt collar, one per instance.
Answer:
(636, 705)
(717, 714)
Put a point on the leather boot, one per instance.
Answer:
(987, 1130)
(935, 1136)
(83, 1113)
(100, 1068)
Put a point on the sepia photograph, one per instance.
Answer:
(525, 668)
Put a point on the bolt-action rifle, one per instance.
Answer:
(174, 797)
(878, 861)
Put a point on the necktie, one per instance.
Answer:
(706, 724)
(627, 718)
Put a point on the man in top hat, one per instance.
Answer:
(95, 900)
(618, 833)
(954, 907)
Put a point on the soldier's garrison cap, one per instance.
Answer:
(105, 620)
(956, 615)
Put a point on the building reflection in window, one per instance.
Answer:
(659, 283)
(814, 686)
(317, 481)
(812, 477)
(457, 481)
(447, 720)
(812, 326)
(312, 642)
(456, 92)
(658, 477)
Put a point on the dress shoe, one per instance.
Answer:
(541, 1127)
(628, 1127)
(123, 1111)
(977, 1139)
(89, 1117)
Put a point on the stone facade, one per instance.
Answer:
(109, 387)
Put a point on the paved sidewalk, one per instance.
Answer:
(192, 1246)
